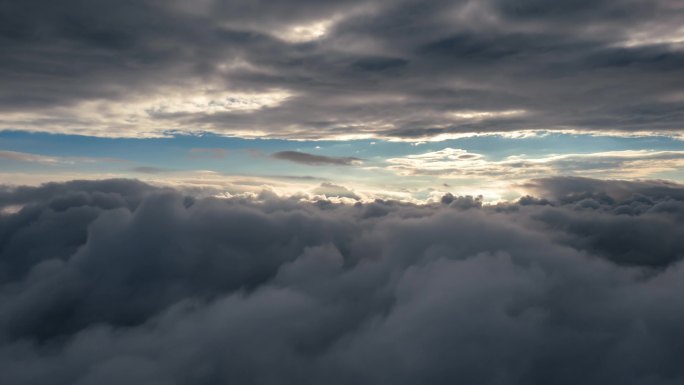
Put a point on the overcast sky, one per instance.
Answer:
(322, 82)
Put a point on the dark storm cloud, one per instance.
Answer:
(382, 68)
(315, 160)
(112, 282)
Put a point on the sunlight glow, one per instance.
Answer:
(306, 32)
(482, 115)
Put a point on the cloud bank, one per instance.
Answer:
(115, 281)
(403, 70)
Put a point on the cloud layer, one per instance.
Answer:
(119, 282)
(451, 162)
(306, 69)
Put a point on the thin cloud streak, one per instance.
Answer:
(450, 162)
(316, 160)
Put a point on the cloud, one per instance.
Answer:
(570, 189)
(451, 162)
(135, 284)
(401, 70)
(26, 157)
(315, 160)
(54, 160)
(328, 189)
(151, 170)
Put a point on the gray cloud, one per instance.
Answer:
(333, 190)
(135, 284)
(571, 189)
(151, 170)
(315, 160)
(303, 69)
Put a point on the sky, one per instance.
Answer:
(383, 99)
(369, 192)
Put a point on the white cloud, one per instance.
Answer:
(210, 102)
(302, 33)
(149, 115)
(51, 160)
(483, 115)
(451, 162)
(26, 157)
(659, 34)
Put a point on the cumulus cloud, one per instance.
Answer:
(315, 160)
(130, 283)
(333, 190)
(407, 70)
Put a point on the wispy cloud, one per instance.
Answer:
(151, 170)
(451, 162)
(55, 160)
(30, 158)
(316, 160)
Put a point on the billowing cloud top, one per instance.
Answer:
(119, 282)
(304, 69)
